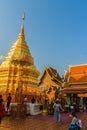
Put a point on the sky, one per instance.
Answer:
(55, 31)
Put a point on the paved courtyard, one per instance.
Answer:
(40, 122)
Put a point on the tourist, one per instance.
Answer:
(2, 110)
(75, 105)
(57, 108)
(25, 99)
(86, 104)
(1, 97)
(33, 100)
(8, 102)
(74, 123)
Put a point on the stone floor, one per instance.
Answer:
(40, 122)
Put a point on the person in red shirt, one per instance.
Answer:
(2, 110)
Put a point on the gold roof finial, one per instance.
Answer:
(23, 16)
(21, 34)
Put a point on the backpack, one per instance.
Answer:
(57, 109)
(76, 126)
(73, 127)
(80, 123)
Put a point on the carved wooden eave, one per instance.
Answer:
(75, 89)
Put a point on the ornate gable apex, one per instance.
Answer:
(53, 75)
(66, 75)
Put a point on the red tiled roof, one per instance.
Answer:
(76, 74)
(77, 79)
(78, 69)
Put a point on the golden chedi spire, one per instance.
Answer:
(18, 59)
(21, 34)
(19, 51)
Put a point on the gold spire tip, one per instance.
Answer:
(23, 16)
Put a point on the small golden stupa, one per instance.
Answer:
(18, 66)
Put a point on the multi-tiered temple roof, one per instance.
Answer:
(76, 79)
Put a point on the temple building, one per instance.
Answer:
(75, 84)
(18, 68)
(51, 82)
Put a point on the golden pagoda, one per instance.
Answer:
(19, 65)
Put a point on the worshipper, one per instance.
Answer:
(2, 110)
(57, 108)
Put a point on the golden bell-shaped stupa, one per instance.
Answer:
(18, 67)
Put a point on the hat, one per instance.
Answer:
(57, 99)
